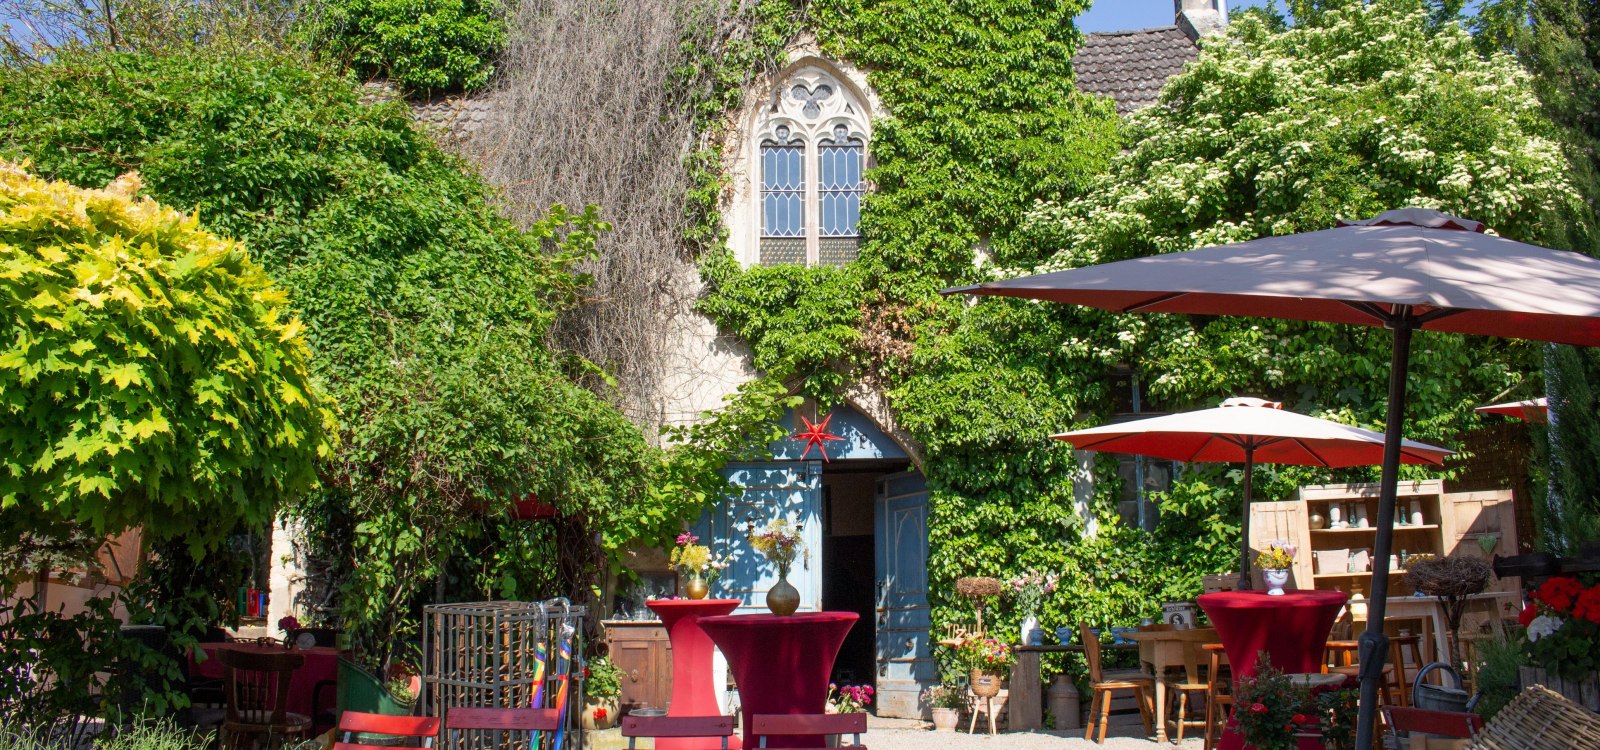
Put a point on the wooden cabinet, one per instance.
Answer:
(1477, 524)
(644, 654)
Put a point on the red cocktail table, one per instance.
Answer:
(691, 665)
(782, 663)
(1292, 629)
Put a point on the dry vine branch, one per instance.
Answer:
(590, 106)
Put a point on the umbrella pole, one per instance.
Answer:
(1244, 525)
(1374, 645)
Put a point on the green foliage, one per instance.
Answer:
(153, 376)
(159, 735)
(423, 46)
(604, 679)
(1500, 660)
(425, 313)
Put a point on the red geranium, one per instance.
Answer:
(1587, 607)
(1528, 613)
(1559, 593)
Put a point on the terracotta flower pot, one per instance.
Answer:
(946, 719)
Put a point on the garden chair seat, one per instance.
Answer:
(351, 723)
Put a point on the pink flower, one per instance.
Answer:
(1258, 708)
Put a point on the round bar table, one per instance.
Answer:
(691, 665)
(1293, 629)
(782, 664)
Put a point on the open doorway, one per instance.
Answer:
(849, 520)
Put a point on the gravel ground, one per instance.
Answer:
(905, 734)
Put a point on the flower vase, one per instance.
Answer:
(985, 684)
(1031, 634)
(697, 587)
(1275, 580)
(946, 719)
(783, 598)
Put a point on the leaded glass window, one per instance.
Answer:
(839, 180)
(783, 188)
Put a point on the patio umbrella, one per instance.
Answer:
(1248, 431)
(1532, 410)
(1406, 270)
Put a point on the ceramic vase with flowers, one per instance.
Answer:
(780, 541)
(1274, 563)
(1030, 590)
(697, 565)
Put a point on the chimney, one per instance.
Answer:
(1198, 18)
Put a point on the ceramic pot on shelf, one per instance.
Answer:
(1275, 581)
(783, 598)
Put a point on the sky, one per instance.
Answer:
(1125, 15)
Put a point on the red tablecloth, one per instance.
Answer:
(1292, 629)
(691, 665)
(322, 663)
(782, 664)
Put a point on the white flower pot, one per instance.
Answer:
(1275, 580)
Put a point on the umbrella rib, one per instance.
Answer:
(1153, 301)
(1312, 452)
(1436, 314)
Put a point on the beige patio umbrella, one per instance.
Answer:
(1406, 270)
(1532, 410)
(1249, 431)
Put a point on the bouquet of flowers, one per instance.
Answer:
(694, 559)
(780, 541)
(1275, 558)
(850, 699)
(1563, 623)
(984, 655)
(1030, 590)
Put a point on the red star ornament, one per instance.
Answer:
(816, 434)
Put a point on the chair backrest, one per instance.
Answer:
(1442, 723)
(1091, 650)
(500, 719)
(351, 723)
(634, 727)
(762, 725)
(258, 683)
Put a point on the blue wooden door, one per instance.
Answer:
(905, 666)
(764, 491)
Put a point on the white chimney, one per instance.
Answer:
(1200, 18)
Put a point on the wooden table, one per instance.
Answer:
(1162, 649)
(1026, 699)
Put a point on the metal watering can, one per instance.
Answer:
(1438, 697)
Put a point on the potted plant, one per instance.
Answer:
(1274, 564)
(987, 662)
(781, 541)
(696, 564)
(1266, 707)
(1563, 627)
(946, 703)
(602, 685)
(1030, 590)
(850, 699)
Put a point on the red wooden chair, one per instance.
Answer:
(528, 720)
(1404, 720)
(352, 723)
(634, 727)
(830, 725)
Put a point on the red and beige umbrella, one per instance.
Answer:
(1532, 410)
(1248, 431)
(1407, 270)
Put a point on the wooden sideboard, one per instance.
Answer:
(641, 650)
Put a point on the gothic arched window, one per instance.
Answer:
(812, 152)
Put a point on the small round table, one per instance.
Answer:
(782, 663)
(1292, 629)
(691, 665)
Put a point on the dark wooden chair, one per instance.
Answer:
(1219, 693)
(255, 688)
(351, 723)
(808, 725)
(1103, 684)
(1403, 720)
(634, 727)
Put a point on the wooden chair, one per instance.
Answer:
(352, 723)
(255, 690)
(1193, 664)
(634, 727)
(1402, 719)
(524, 721)
(809, 725)
(1396, 688)
(1103, 685)
(1219, 693)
